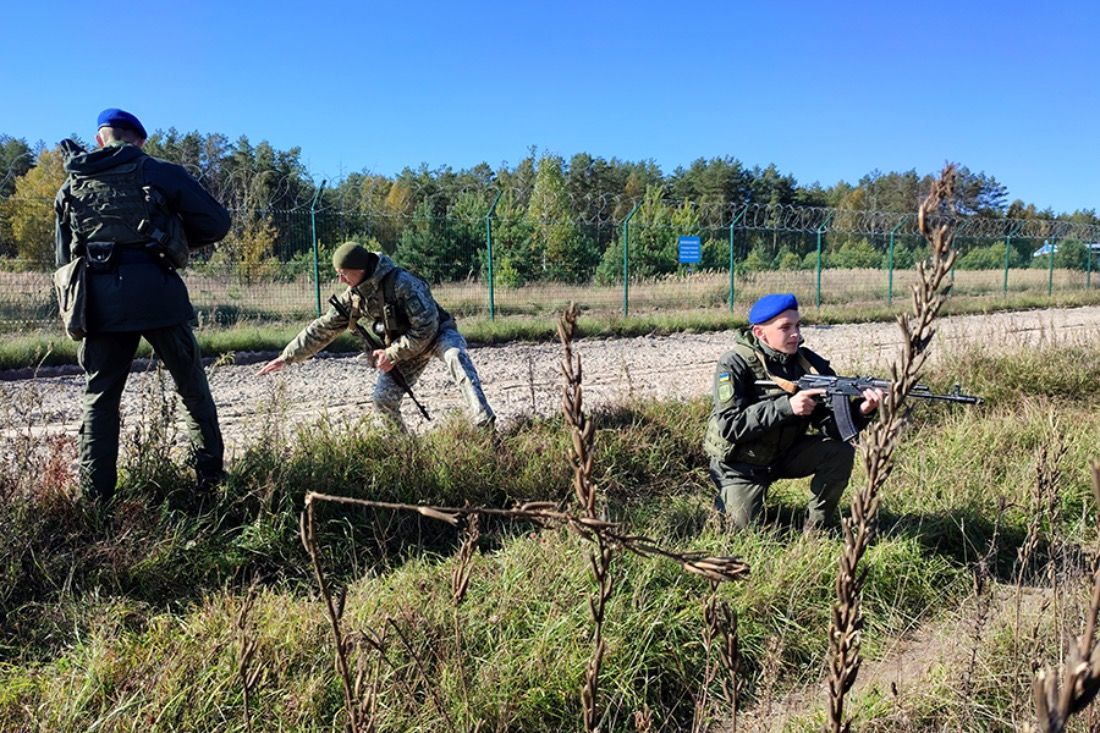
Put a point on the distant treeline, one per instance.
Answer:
(554, 219)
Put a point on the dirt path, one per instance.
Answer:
(523, 379)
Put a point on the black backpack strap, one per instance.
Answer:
(388, 295)
(390, 322)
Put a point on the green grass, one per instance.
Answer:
(51, 348)
(134, 629)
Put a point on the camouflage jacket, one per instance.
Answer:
(419, 317)
(755, 424)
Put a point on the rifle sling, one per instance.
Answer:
(785, 384)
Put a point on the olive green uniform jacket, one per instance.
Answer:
(753, 424)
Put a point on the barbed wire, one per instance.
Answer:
(610, 210)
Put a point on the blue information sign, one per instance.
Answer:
(691, 251)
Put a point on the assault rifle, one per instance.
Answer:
(374, 342)
(840, 390)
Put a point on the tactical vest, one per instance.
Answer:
(772, 444)
(109, 206)
(116, 206)
(395, 321)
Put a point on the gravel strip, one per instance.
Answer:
(522, 379)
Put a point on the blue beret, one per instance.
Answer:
(771, 306)
(121, 119)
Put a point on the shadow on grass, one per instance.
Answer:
(160, 550)
(963, 538)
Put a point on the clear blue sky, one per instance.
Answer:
(826, 91)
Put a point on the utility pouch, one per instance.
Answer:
(70, 285)
(167, 239)
(101, 256)
(714, 445)
(389, 320)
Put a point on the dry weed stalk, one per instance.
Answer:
(460, 582)
(935, 222)
(460, 576)
(581, 454)
(600, 567)
(152, 442)
(720, 568)
(1044, 500)
(335, 608)
(769, 673)
(719, 621)
(367, 683)
(248, 673)
(983, 609)
(531, 384)
(1057, 699)
(1044, 510)
(423, 672)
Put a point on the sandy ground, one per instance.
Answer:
(522, 379)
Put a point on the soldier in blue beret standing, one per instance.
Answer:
(114, 211)
(758, 434)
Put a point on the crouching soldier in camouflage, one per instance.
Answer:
(415, 329)
(759, 433)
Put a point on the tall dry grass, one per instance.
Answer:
(877, 449)
(220, 300)
(589, 523)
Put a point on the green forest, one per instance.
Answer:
(552, 219)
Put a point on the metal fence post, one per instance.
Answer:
(890, 262)
(1050, 267)
(316, 266)
(733, 225)
(489, 251)
(626, 259)
(820, 231)
(1008, 244)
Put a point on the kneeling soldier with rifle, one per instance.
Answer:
(406, 328)
(758, 434)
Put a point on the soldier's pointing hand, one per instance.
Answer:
(272, 366)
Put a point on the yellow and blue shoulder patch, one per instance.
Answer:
(725, 386)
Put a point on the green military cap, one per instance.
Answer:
(354, 256)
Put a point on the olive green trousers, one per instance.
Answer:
(742, 487)
(106, 359)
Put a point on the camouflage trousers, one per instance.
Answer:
(450, 348)
(742, 487)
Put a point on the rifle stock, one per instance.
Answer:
(374, 342)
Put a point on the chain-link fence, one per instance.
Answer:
(495, 262)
